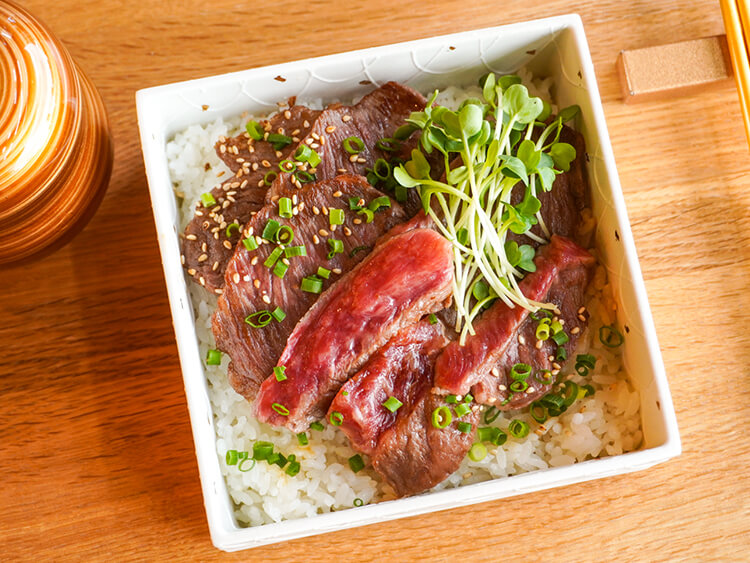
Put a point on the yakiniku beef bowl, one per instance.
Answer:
(402, 280)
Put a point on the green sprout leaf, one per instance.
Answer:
(563, 154)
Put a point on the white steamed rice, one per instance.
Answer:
(605, 424)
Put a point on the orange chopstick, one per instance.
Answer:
(737, 24)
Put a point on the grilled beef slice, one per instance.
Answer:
(404, 278)
(205, 245)
(402, 368)
(505, 336)
(251, 286)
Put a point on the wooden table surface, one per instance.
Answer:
(96, 454)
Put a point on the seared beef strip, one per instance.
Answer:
(413, 455)
(205, 244)
(251, 286)
(374, 117)
(401, 369)
(505, 336)
(403, 279)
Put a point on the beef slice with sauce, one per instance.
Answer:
(403, 279)
(252, 287)
(205, 245)
(407, 450)
(402, 368)
(482, 365)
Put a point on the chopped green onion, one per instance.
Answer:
(293, 469)
(462, 409)
(336, 418)
(441, 417)
(208, 199)
(269, 231)
(451, 399)
(284, 234)
(270, 176)
(292, 251)
(486, 433)
(392, 404)
(588, 360)
(337, 247)
(285, 207)
(561, 355)
(464, 427)
(552, 401)
(369, 215)
(519, 386)
(261, 450)
(241, 467)
(518, 428)
(353, 145)
(432, 318)
(358, 502)
(468, 398)
(378, 202)
(213, 358)
(490, 415)
(569, 394)
(279, 270)
(388, 144)
(279, 141)
(278, 314)
(259, 319)
(234, 226)
(538, 412)
(589, 390)
(302, 153)
(610, 336)
(354, 203)
(500, 438)
(381, 169)
(276, 459)
(286, 165)
(336, 216)
(317, 426)
(311, 284)
(520, 372)
(555, 327)
(356, 464)
(250, 243)
(281, 409)
(275, 255)
(255, 130)
(302, 439)
(401, 193)
(544, 376)
(303, 176)
(279, 373)
(324, 272)
(477, 452)
(560, 338)
(542, 331)
(232, 457)
(357, 249)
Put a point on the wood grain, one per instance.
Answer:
(96, 455)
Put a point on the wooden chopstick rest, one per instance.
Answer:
(665, 71)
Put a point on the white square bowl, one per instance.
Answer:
(554, 47)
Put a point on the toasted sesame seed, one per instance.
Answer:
(337, 193)
(199, 213)
(239, 160)
(353, 158)
(295, 199)
(323, 233)
(191, 237)
(191, 271)
(254, 261)
(226, 204)
(502, 387)
(227, 245)
(316, 240)
(316, 211)
(218, 291)
(260, 183)
(279, 154)
(530, 390)
(314, 145)
(288, 114)
(581, 318)
(333, 228)
(491, 400)
(202, 280)
(215, 266)
(322, 141)
(246, 277)
(309, 141)
(203, 246)
(330, 129)
(555, 371)
(216, 236)
(325, 210)
(336, 271)
(357, 221)
(575, 330)
(556, 365)
(346, 118)
(495, 372)
(306, 123)
(285, 261)
(315, 136)
(347, 231)
(581, 310)
(265, 163)
(266, 299)
(295, 139)
(538, 344)
(361, 160)
(236, 277)
(275, 199)
(223, 149)
(301, 205)
(342, 170)
(235, 150)
(256, 283)
(295, 211)
(295, 132)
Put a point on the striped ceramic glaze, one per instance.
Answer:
(55, 143)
